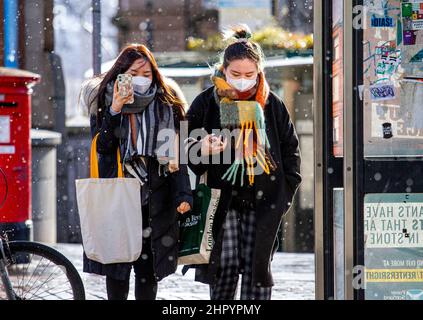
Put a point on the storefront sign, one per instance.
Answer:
(393, 231)
(393, 226)
(382, 22)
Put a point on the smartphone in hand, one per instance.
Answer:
(125, 85)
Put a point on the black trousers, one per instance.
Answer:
(145, 281)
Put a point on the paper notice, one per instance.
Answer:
(411, 102)
(4, 129)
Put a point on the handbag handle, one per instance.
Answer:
(203, 178)
(94, 160)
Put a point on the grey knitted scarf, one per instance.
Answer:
(152, 126)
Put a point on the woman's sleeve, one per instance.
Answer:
(195, 115)
(108, 138)
(181, 186)
(290, 151)
(109, 129)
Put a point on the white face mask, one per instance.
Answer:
(141, 84)
(242, 84)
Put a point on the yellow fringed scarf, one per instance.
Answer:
(248, 116)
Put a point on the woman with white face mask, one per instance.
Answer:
(134, 128)
(261, 178)
(141, 84)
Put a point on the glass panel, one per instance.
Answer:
(393, 227)
(337, 77)
(338, 243)
(393, 84)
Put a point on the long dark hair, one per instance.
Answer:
(126, 58)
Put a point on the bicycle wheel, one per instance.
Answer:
(38, 272)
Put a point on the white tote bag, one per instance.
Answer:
(110, 215)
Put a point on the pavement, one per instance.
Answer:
(293, 275)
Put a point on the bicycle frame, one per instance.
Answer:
(4, 274)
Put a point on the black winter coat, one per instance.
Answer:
(274, 192)
(166, 193)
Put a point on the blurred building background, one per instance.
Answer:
(294, 15)
(55, 41)
(164, 25)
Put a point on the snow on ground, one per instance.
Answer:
(293, 274)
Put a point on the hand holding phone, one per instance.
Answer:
(213, 144)
(125, 89)
(122, 94)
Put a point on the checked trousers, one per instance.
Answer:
(237, 256)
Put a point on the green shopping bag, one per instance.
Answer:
(196, 238)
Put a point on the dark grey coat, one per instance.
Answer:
(277, 190)
(165, 193)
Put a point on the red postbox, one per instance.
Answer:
(15, 150)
